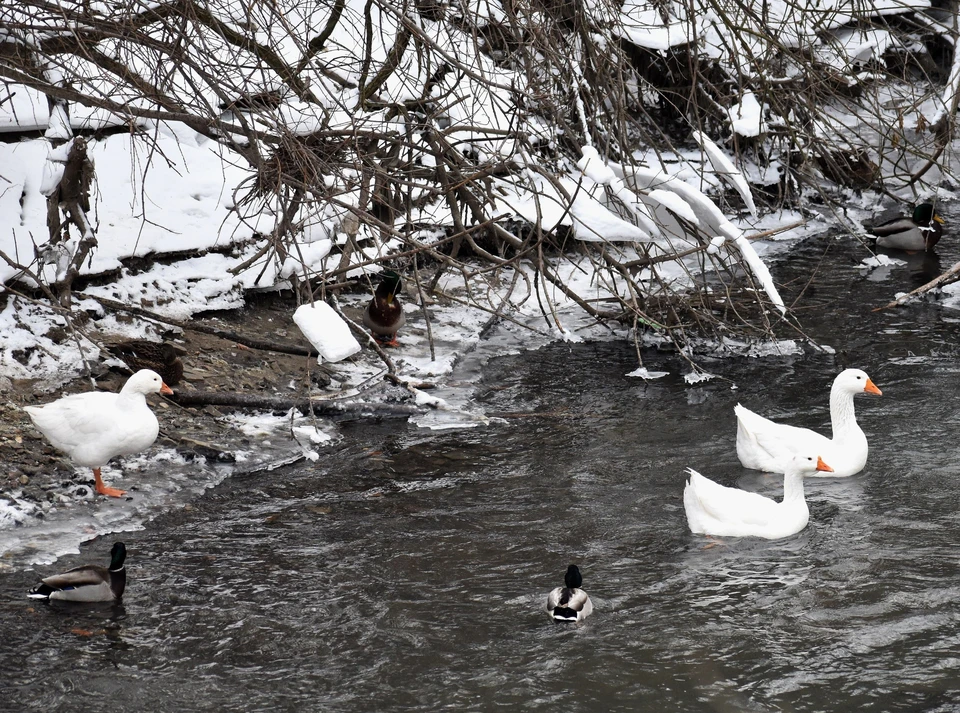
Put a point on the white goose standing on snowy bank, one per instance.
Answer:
(96, 426)
(768, 446)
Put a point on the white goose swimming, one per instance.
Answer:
(714, 509)
(96, 426)
(765, 445)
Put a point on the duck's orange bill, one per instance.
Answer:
(823, 466)
(164, 389)
(871, 388)
(939, 220)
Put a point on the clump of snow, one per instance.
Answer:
(14, 510)
(643, 25)
(847, 48)
(673, 202)
(644, 373)
(326, 331)
(880, 260)
(746, 117)
(714, 247)
(425, 399)
(725, 169)
(305, 258)
(696, 376)
(593, 166)
(265, 425)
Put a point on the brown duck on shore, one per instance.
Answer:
(159, 357)
(384, 315)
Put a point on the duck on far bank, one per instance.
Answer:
(765, 445)
(569, 603)
(87, 583)
(162, 358)
(384, 314)
(97, 426)
(714, 509)
(921, 231)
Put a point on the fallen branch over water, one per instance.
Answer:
(951, 275)
(333, 409)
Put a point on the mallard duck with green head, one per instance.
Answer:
(569, 602)
(921, 231)
(384, 315)
(87, 583)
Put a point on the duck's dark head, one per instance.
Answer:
(923, 213)
(390, 285)
(117, 556)
(572, 578)
(169, 353)
(925, 216)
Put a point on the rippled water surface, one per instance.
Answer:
(406, 569)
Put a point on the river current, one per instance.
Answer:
(406, 569)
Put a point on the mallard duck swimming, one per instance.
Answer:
(384, 315)
(920, 232)
(96, 426)
(768, 446)
(142, 354)
(569, 603)
(714, 509)
(87, 583)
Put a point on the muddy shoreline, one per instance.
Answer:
(37, 474)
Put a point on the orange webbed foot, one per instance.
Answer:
(386, 340)
(103, 489)
(111, 492)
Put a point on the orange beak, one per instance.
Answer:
(939, 219)
(871, 388)
(164, 389)
(823, 466)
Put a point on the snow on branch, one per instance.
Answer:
(307, 145)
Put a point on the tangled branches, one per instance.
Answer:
(452, 136)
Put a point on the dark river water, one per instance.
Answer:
(406, 569)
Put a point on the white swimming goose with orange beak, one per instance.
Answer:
(714, 509)
(765, 445)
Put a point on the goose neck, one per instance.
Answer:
(793, 487)
(842, 414)
(130, 401)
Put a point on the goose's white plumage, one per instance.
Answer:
(765, 445)
(714, 509)
(569, 603)
(96, 426)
